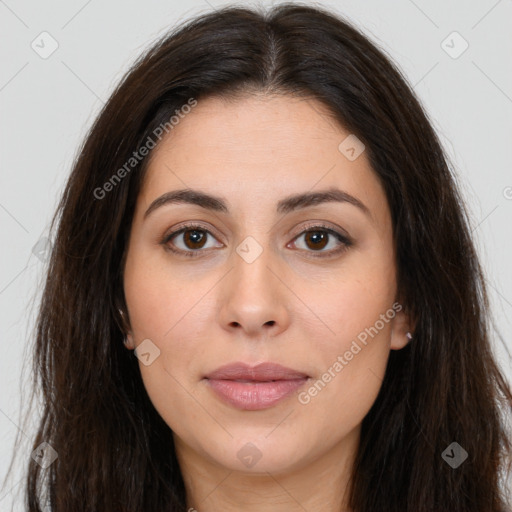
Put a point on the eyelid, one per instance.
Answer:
(336, 230)
(188, 226)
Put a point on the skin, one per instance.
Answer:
(286, 306)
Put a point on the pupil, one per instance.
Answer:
(318, 238)
(194, 237)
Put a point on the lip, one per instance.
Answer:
(254, 387)
(260, 372)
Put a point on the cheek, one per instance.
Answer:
(354, 348)
(351, 304)
(161, 309)
(155, 298)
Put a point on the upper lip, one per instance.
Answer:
(261, 372)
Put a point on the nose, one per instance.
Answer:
(254, 297)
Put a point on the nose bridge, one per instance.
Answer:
(252, 259)
(252, 298)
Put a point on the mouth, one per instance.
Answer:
(254, 388)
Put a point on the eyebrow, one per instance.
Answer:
(284, 206)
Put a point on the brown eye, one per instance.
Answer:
(195, 237)
(317, 238)
(192, 241)
(189, 241)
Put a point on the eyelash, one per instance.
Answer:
(346, 242)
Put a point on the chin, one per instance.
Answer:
(258, 454)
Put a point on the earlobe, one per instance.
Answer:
(128, 342)
(401, 331)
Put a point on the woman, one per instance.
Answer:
(263, 294)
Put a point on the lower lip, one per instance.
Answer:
(253, 396)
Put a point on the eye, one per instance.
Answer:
(317, 238)
(193, 238)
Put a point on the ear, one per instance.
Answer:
(128, 342)
(401, 330)
(125, 328)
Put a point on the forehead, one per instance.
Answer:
(259, 146)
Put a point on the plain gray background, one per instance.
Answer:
(47, 104)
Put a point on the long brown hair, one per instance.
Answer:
(115, 453)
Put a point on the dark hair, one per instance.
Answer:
(114, 450)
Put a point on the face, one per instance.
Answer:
(263, 320)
